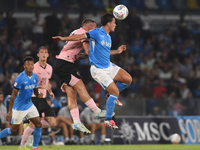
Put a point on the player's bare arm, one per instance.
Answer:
(86, 47)
(14, 94)
(51, 93)
(44, 86)
(119, 50)
(75, 37)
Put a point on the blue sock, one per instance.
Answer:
(5, 133)
(121, 86)
(110, 106)
(36, 136)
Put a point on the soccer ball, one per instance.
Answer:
(175, 138)
(120, 12)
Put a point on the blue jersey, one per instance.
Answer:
(25, 85)
(100, 44)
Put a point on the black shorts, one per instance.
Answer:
(43, 107)
(64, 69)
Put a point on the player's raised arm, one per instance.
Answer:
(119, 50)
(14, 94)
(75, 37)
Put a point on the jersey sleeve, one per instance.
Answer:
(36, 78)
(93, 34)
(18, 83)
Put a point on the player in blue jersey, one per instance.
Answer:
(21, 104)
(102, 70)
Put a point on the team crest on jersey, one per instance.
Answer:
(102, 42)
(48, 73)
(15, 84)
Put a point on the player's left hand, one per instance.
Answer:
(121, 49)
(40, 95)
(52, 95)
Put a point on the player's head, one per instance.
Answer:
(43, 53)
(29, 64)
(107, 19)
(89, 24)
(1, 97)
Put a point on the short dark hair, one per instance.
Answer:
(1, 92)
(42, 47)
(87, 20)
(106, 17)
(27, 58)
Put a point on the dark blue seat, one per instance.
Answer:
(178, 4)
(164, 4)
(97, 3)
(137, 4)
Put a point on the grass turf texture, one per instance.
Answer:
(110, 147)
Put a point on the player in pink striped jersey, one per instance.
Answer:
(70, 79)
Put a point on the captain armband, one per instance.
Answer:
(87, 35)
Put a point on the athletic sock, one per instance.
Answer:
(121, 86)
(110, 106)
(103, 138)
(92, 136)
(5, 133)
(27, 132)
(91, 104)
(75, 115)
(36, 137)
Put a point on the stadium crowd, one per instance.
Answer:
(165, 66)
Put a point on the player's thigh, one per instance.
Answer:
(18, 116)
(33, 116)
(123, 76)
(102, 76)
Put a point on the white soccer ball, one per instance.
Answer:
(120, 12)
(175, 138)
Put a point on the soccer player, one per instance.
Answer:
(70, 79)
(102, 70)
(21, 105)
(44, 72)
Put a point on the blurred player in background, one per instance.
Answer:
(70, 78)
(44, 72)
(89, 120)
(21, 104)
(102, 70)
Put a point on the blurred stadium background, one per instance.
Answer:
(163, 55)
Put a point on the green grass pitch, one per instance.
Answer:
(112, 147)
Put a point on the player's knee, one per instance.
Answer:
(129, 79)
(38, 125)
(13, 130)
(53, 124)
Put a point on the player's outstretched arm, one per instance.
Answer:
(119, 50)
(14, 94)
(51, 93)
(75, 37)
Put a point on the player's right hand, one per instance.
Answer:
(47, 86)
(9, 116)
(58, 37)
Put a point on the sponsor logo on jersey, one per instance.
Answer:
(29, 87)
